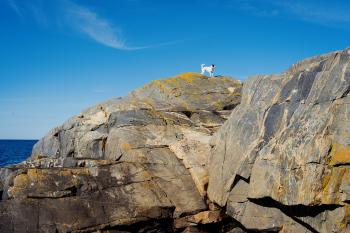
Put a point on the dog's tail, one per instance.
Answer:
(202, 66)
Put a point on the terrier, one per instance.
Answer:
(209, 69)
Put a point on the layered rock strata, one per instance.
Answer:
(281, 161)
(196, 154)
(131, 164)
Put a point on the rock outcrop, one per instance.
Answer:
(196, 154)
(281, 161)
(132, 164)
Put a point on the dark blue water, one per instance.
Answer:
(15, 151)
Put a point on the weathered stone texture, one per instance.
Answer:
(196, 154)
(129, 164)
(282, 157)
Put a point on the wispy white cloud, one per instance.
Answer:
(94, 26)
(99, 29)
(328, 13)
(314, 11)
(15, 7)
(38, 12)
(80, 18)
(255, 8)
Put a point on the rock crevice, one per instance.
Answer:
(280, 139)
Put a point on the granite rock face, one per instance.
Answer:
(281, 161)
(132, 164)
(196, 154)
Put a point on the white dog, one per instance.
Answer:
(209, 69)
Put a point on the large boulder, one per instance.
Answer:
(281, 161)
(128, 164)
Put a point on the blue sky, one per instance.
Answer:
(58, 57)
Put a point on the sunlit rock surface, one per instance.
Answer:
(196, 154)
(128, 164)
(281, 161)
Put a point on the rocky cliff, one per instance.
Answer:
(196, 154)
(132, 164)
(281, 162)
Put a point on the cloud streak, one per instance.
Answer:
(79, 18)
(329, 14)
(15, 7)
(94, 26)
(309, 11)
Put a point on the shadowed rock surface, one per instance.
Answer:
(132, 164)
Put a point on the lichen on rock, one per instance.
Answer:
(130, 163)
(196, 154)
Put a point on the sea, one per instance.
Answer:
(15, 151)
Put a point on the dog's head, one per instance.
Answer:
(213, 65)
